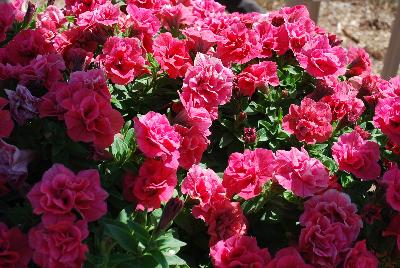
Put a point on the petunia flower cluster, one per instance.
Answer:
(252, 119)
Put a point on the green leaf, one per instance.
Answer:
(262, 135)
(346, 180)
(329, 163)
(140, 232)
(160, 258)
(119, 149)
(122, 235)
(317, 149)
(123, 216)
(130, 137)
(168, 242)
(174, 260)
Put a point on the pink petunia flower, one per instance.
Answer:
(172, 54)
(288, 258)
(357, 156)
(59, 244)
(122, 59)
(392, 179)
(239, 251)
(319, 59)
(154, 184)
(310, 122)
(156, 138)
(248, 172)
(298, 172)
(15, 250)
(360, 257)
(61, 192)
(387, 118)
(256, 76)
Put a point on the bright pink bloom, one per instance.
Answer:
(91, 119)
(208, 83)
(172, 54)
(59, 244)
(323, 87)
(395, 85)
(85, 105)
(51, 19)
(122, 59)
(176, 17)
(76, 7)
(328, 205)
(299, 173)
(310, 122)
(259, 75)
(240, 44)
(372, 88)
(157, 138)
(144, 25)
(248, 172)
(193, 144)
(330, 227)
(268, 39)
(7, 16)
(358, 62)
(300, 33)
(344, 104)
(392, 179)
(193, 114)
(15, 251)
(26, 46)
(360, 257)
(393, 229)
(200, 40)
(92, 80)
(319, 59)
(202, 184)
(207, 8)
(357, 156)
(225, 219)
(6, 123)
(239, 251)
(323, 244)
(288, 258)
(106, 14)
(44, 70)
(154, 184)
(387, 118)
(149, 4)
(13, 164)
(363, 133)
(61, 192)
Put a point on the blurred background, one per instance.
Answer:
(362, 23)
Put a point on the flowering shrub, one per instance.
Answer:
(171, 133)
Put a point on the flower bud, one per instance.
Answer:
(250, 135)
(29, 13)
(171, 210)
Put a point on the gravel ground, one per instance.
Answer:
(362, 23)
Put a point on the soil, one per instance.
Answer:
(362, 23)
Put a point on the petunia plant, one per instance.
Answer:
(148, 133)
